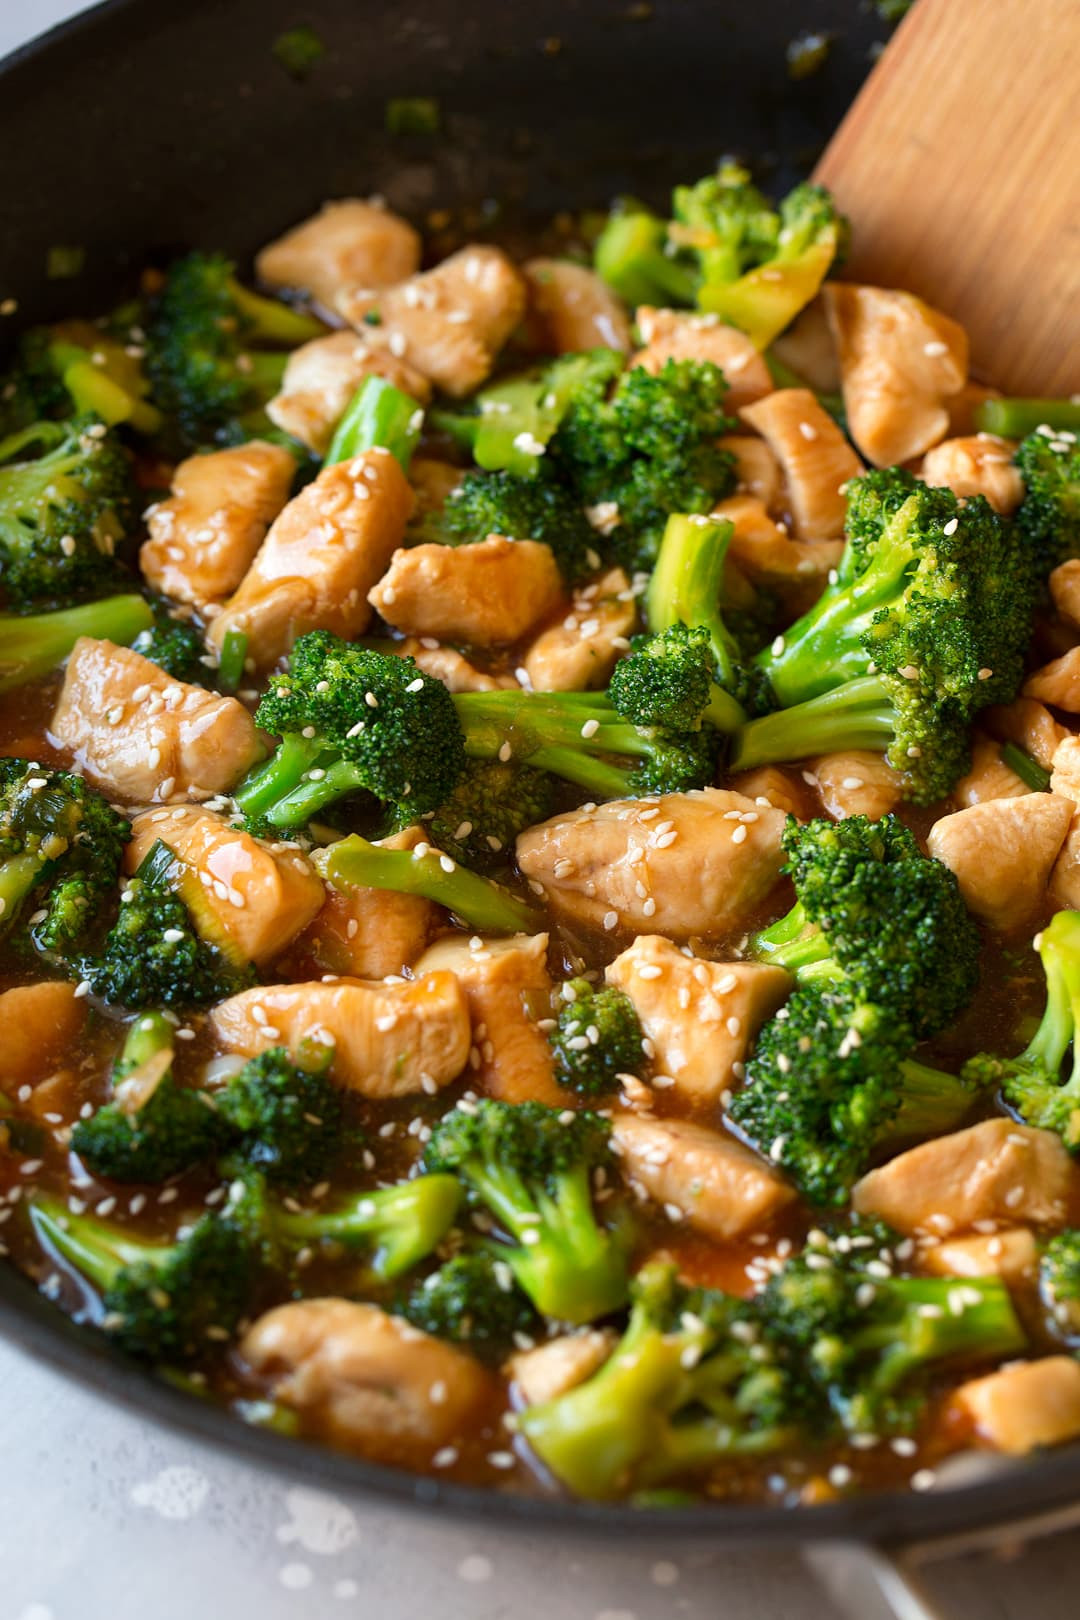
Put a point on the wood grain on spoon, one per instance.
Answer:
(959, 166)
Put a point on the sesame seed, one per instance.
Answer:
(590, 728)
(952, 526)
(739, 835)
(611, 920)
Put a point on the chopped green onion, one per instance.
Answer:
(1027, 769)
(233, 653)
(379, 416)
(413, 115)
(298, 50)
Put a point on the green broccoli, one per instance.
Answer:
(472, 1299)
(531, 1167)
(175, 644)
(1059, 1285)
(633, 255)
(1048, 518)
(543, 507)
(596, 1039)
(74, 369)
(491, 804)
(282, 1117)
(670, 679)
(33, 645)
(378, 416)
(1016, 418)
(395, 1227)
(354, 863)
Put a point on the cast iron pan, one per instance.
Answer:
(146, 126)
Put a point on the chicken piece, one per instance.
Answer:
(1065, 769)
(900, 361)
(980, 464)
(367, 1380)
(989, 776)
(579, 653)
(816, 459)
(1026, 1405)
(554, 1368)
(700, 1016)
(856, 783)
(681, 864)
(203, 538)
(450, 666)
(433, 482)
(350, 243)
(487, 593)
(1065, 591)
(321, 558)
(39, 1022)
(717, 1185)
(321, 378)
(1012, 1255)
(1057, 683)
(261, 895)
(388, 1039)
(1003, 852)
(673, 334)
(368, 933)
(450, 322)
(571, 308)
(142, 736)
(1028, 724)
(796, 570)
(507, 987)
(778, 789)
(807, 348)
(993, 1171)
(757, 470)
(1065, 781)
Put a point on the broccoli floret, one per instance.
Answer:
(597, 1038)
(1043, 1082)
(669, 679)
(1059, 1285)
(173, 644)
(152, 1128)
(472, 1299)
(531, 1168)
(691, 1383)
(379, 416)
(831, 1082)
(874, 911)
(165, 948)
(633, 256)
(489, 807)
(350, 719)
(395, 1227)
(72, 369)
(1048, 518)
(67, 504)
(925, 625)
(211, 349)
(33, 645)
(161, 1301)
(61, 845)
(869, 1339)
(283, 1118)
(354, 863)
(542, 507)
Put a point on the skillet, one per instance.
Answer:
(147, 126)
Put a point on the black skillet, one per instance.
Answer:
(149, 125)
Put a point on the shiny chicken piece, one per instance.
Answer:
(680, 865)
(816, 459)
(1065, 781)
(204, 536)
(1028, 724)
(989, 776)
(1065, 591)
(670, 334)
(369, 933)
(487, 593)
(450, 322)
(1025, 1406)
(450, 666)
(980, 464)
(900, 361)
(367, 1380)
(1002, 852)
(262, 895)
(321, 378)
(1012, 1255)
(508, 988)
(571, 308)
(700, 1016)
(757, 471)
(856, 783)
(143, 737)
(388, 1039)
(774, 788)
(320, 559)
(705, 1177)
(579, 652)
(1057, 683)
(559, 1365)
(807, 348)
(348, 244)
(38, 1022)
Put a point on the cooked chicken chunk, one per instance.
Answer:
(1026, 1405)
(1003, 852)
(559, 1365)
(1065, 781)
(700, 1016)
(367, 1380)
(989, 776)
(980, 464)
(388, 1040)
(1057, 683)
(1028, 724)
(712, 1181)
(368, 933)
(450, 666)
(38, 1022)
(772, 786)
(681, 864)
(508, 988)
(347, 244)
(487, 593)
(757, 470)
(260, 894)
(816, 458)
(321, 378)
(1065, 769)
(433, 482)
(450, 322)
(321, 558)
(807, 347)
(994, 1171)
(1065, 590)
(571, 308)
(1012, 1255)
(900, 361)
(579, 653)
(203, 538)
(673, 334)
(143, 737)
(856, 783)
(797, 570)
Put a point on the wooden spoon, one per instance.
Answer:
(959, 166)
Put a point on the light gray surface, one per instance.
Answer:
(105, 1517)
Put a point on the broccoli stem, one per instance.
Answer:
(18, 874)
(94, 391)
(932, 1103)
(34, 645)
(399, 1224)
(378, 416)
(857, 715)
(560, 733)
(686, 587)
(354, 863)
(630, 257)
(1016, 418)
(150, 1034)
(82, 1246)
(233, 655)
(1027, 769)
(929, 1328)
(272, 321)
(795, 944)
(283, 772)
